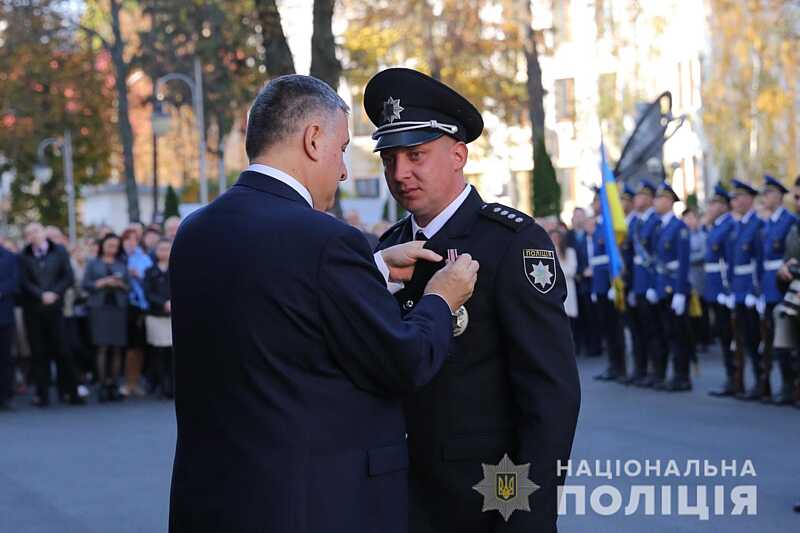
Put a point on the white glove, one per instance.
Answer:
(750, 301)
(722, 299)
(651, 295)
(594, 298)
(631, 299)
(731, 302)
(761, 305)
(679, 304)
(612, 293)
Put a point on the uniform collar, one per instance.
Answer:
(283, 177)
(666, 217)
(630, 216)
(722, 218)
(646, 215)
(441, 219)
(747, 216)
(777, 214)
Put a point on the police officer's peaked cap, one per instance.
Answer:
(627, 190)
(664, 189)
(410, 108)
(721, 194)
(775, 185)
(741, 187)
(646, 186)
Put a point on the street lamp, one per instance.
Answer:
(43, 173)
(160, 124)
(196, 88)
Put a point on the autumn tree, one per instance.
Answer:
(49, 84)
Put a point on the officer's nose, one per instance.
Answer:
(401, 168)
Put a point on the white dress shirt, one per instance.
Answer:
(429, 231)
(283, 177)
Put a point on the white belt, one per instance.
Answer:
(743, 270)
(598, 260)
(712, 268)
(638, 260)
(774, 264)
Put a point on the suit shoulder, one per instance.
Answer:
(507, 217)
(395, 227)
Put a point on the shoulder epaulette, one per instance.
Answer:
(391, 230)
(507, 216)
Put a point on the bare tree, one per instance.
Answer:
(277, 54)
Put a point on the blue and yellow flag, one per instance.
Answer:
(613, 216)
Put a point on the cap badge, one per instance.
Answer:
(391, 110)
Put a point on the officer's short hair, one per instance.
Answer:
(283, 105)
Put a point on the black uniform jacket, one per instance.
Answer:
(510, 384)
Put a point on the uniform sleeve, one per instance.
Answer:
(379, 350)
(543, 375)
(684, 260)
(758, 253)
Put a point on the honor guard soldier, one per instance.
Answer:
(648, 339)
(745, 268)
(510, 384)
(775, 232)
(672, 286)
(716, 288)
(603, 296)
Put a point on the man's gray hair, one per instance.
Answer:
(283, 105)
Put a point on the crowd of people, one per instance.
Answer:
(98, 308)
(728, 272)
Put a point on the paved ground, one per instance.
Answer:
(107, 468)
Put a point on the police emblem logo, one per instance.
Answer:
(392, 110)
(460, 321)
(539, 267)
(505, 487)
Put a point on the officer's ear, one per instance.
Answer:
(459, 153)
(312, 141)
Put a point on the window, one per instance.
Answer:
(565, 100)
(603, 17)
(562, 21)
(367, 187)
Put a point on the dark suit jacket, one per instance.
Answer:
(52, 272)
(510, 384)
(290, 361)
(579, 243)
(9, 285)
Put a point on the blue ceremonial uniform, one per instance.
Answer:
(599, 261)
(775, 232)
(672, 259)
(745, 251)
(291, 359)
(716, 273)
(644, 271)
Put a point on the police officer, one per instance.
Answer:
(744, 270)
(716, 289)
(775, 231)
(604, 296)
(672, 287)
(648, 341)
(510, 384)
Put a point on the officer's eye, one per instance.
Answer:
(414, 155)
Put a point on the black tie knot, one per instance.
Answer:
(420, 236)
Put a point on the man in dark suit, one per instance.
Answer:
(291, 356)
(46, 275)
(9, 285)
(587, 336)
(510, 385)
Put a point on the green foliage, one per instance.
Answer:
(691, 201)
(49, 84)
(171, 203)
(546, 190)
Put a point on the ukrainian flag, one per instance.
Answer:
(613, 224)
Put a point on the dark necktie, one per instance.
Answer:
(420, 236)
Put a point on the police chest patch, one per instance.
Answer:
(539, 267)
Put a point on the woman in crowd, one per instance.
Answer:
(158, 321)
(138, 263)
(107, 284)
(569, 264)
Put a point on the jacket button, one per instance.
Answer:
(408, 305)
